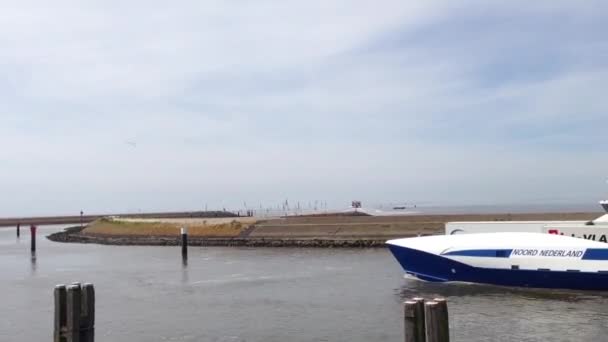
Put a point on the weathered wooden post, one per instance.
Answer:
(60, 313)
(33, 235)
(434, 315)
(87, 321)
(409, 310)
(184, 232)
(420, 320)
(73, 313)
(414, 322)
(18, 229)
(444, 319)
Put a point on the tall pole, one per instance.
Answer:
(184, 234)
(33, 235)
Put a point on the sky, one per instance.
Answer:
(115, 106)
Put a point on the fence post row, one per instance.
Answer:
(74, 313)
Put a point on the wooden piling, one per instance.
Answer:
(33, 238)
(184, 232)
(18, 229)
(420, 320)
(60, 313)
(414, 323)
(74, 313)
(87, 317)
(409, 310)
(74, 310)
(435, 323)
(444, 321)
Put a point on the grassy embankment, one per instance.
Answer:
(304, 228)
(212, 227)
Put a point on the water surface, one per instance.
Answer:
(266, 294)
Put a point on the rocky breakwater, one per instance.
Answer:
(212, 241)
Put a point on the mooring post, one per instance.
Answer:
(60, 313)
(73, 313)
(87, 322)
(33, 235)
(420, 321)
(18, 229)
(184, 232)
(435, 323)
(430, 314)
(444, 320)
(409, 322)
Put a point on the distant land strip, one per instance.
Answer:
(326, 231)
(86, 219)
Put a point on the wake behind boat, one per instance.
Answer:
(510, 259)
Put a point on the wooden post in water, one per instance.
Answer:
(87, 317)
(184, 232)
(60, 313)
(420, 320)
(435, 317)
(414, 323)
(18, 229)
(409, 323)
(73, 313)
(33, 235)
(444, 320)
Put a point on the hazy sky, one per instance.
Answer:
(157, 105)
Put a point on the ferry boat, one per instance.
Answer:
(510, 259)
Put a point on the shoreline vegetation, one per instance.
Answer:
(206, 227)
(296, 231)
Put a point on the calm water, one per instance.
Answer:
(244, 294)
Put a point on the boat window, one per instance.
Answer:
(501, 254)
(544, 269)
(514, 267)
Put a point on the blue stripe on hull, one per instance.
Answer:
(487, 253)
(431, 266)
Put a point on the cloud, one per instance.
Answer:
(433, 101)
